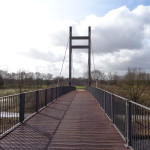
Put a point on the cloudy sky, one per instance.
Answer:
(34, 34)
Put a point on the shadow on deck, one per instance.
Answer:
(74, 121)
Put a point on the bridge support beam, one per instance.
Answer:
(80, 47)
(70, 56)
(89, 58)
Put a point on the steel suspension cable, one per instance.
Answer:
(72, 67)
(93, 58)
(93, 54)
(63, 63)
(93, 64)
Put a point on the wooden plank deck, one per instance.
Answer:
(74, 121)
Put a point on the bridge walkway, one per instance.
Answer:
(74, 121)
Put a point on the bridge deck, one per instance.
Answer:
(74, 121)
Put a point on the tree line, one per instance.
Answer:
(23, 79)
(133, 85)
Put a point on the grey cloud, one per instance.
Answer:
(118, 29)
(44, 56)
(125, 30)
(138, 58)
(141, 60)
(59, 38)
(116, 38)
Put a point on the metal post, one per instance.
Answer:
(22, 107)
(37, 101)
(129, 122)
(112, 108)
(70, 55)
(57, 92)
(45, 97)
(89, 58)
(55, 89)
(105, 101)
(52, 94)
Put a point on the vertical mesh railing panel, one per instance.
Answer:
(48, 95)
(41, 98)
(17, 108)
(108, 104)
(140, 131)
(30, 103)
(120, 114)
(131, 119)
(9, 112)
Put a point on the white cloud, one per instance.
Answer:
(118, 29)
(120, 39)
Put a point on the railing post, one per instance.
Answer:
(52, 94)
(128, 122)
(60, 91)
(22, 107)
(55, 92)
(37, 101)
(105, 101)
(58, 94)
(48, 96)
(45, 97)
(112, 108)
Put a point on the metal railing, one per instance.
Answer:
(131, 119)
(16, 109)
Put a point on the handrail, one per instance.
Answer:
(131, 119)
(17, 108)
(148, 108)
(145, 107)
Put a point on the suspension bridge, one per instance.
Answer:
(65, 118)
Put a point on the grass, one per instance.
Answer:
(80, 87)
(119, 90)
(6, 92)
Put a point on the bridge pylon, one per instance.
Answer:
(88, 47)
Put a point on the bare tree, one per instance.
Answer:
(48, 79)
(113, 78)
(49, 76)
(135, 82)
(1, 81)
(29, 80)
(23, 79)
(85, 75)
(60, 81)
(21, 75)
(39, 79)
(97, 75)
